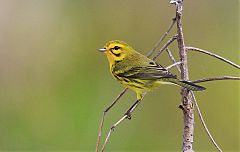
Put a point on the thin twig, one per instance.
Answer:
(173, 65)
(203, 123)
(104, 114)
(162, 38)
(173, 59)
(165, 46)
(189, 48)
(110, 132)
(126, 115)
(216, 78)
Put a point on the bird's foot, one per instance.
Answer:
(129, 116)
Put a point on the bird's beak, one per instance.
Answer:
(102, 49)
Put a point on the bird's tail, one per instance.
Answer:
(185, 84)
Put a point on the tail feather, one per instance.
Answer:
(191, 86)
(186, 84)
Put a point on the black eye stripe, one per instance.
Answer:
(116, 47)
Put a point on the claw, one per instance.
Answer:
(129, 116)
(112, 128)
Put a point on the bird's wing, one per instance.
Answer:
(149, 72)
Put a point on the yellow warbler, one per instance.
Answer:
(137, 72)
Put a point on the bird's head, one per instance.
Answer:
(116, 51)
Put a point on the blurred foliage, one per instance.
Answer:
(55, 85)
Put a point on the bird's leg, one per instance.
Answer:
(126, 115)
(131, 109)
(136, 103)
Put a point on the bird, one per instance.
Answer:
(138, 72)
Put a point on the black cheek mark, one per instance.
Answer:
(117, 55)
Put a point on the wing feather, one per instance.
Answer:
(150, 72)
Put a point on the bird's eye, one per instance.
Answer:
(116, 48)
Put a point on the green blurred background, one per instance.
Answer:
(54, 84)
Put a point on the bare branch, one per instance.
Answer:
(195, 101)
(188, 109)
(173, 59)
(203, 123)
(126, 115)
(216, 78)
(213, 55)
(110, 132)
(173, 65)
(165, 46)
(104, 114)
(162, 38)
